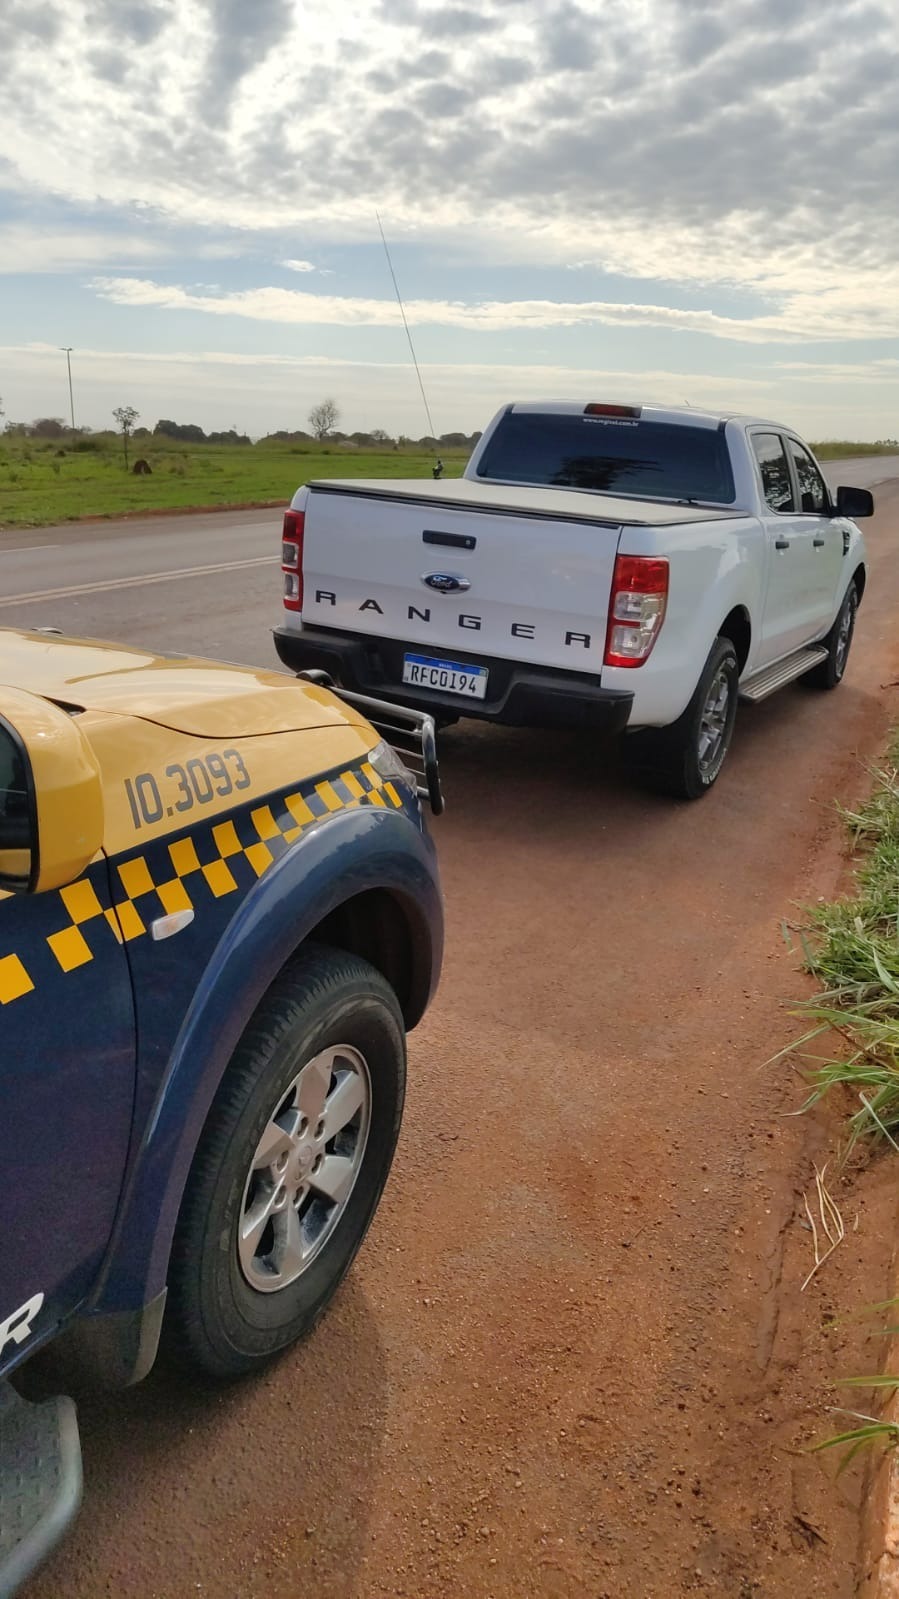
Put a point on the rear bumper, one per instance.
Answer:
(519, 695)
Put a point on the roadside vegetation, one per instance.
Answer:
(71, 475)
(845, 449)
(852, 948)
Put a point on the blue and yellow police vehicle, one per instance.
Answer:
(220, 915)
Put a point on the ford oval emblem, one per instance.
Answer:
(445, 583)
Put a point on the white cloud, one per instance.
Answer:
(547, 373)
(28, 248)
(62, 248)
(643, 134)
(299, 266)
(811, 318)
(878, 370)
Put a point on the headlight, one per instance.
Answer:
(388, 765)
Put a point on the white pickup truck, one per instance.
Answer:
(618, 568)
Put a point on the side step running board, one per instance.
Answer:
(771, 678)
(40, 1482)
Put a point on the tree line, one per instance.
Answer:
(323, 422)
(53, 427)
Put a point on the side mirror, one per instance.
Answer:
(854, 502)
(51, 795)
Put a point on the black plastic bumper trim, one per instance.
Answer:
(520, 695)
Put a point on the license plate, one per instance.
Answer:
(450, 677)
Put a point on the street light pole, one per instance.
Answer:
(68, 354)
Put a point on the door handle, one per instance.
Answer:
(452, 541)
(781, 544)
(819, 543)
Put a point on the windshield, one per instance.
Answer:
(658, 460)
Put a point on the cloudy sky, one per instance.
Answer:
(658, 199)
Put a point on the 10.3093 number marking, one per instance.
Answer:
(199, 781)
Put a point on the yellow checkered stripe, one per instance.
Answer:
(182, 875)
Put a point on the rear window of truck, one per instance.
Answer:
(652, 460)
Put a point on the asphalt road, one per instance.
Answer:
(207, 584)
(865, 472)
(573, 1359)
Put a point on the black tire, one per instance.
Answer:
(670, 759)
(829, 674)
(216, 1321)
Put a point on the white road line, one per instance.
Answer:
(27, 549)
(134, 582)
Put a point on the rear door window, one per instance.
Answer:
(774, 469)
(813, 496)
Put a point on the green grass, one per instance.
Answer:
(844, 449)
(39, 486)
(871, 1430)
(852, 948)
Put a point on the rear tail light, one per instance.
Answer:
(292, 559)
(637, 609)
(632, 411)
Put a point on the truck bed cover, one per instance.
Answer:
(529, 500)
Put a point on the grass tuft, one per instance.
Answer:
(852, 948)
(872, 1430)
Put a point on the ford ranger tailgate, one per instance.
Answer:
(463, 566)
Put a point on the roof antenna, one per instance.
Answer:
(438, 467)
